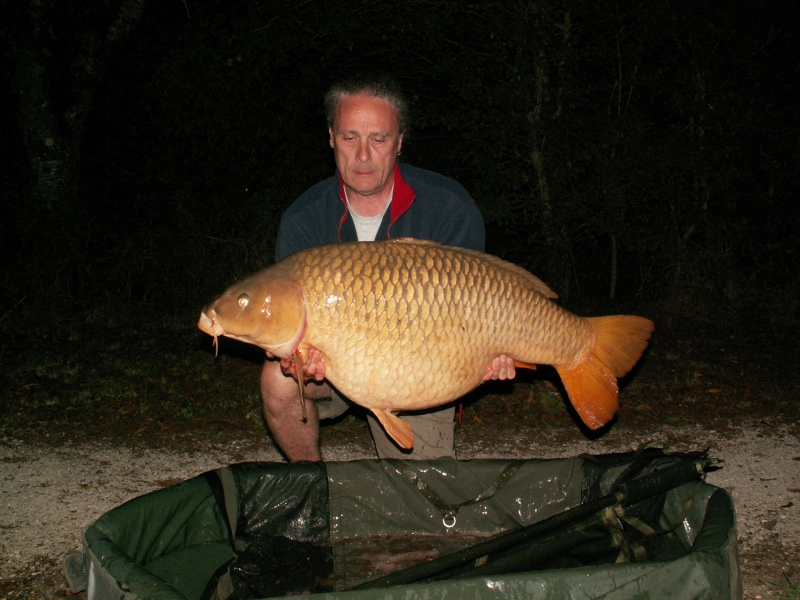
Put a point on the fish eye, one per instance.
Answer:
(243, 300)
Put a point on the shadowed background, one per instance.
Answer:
(640, 156)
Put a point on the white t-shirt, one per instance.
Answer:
(367, 227)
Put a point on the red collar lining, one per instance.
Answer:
(402, 199)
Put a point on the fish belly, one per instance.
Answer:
(407, 326)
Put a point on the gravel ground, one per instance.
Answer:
(51, 492)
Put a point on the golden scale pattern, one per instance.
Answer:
(451, 312)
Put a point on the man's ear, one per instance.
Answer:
(330, 133)
(399, 143)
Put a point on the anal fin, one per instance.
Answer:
(395, 427)
(523, 365)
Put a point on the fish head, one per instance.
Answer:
(266, 310)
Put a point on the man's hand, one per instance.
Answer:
(313, 368)
(501, 367)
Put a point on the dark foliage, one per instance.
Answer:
(646, 153)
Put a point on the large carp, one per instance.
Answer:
(409, 324)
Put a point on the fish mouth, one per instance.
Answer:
(210, 326)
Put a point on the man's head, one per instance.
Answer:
(382, 86)
(366, 122)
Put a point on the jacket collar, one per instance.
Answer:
(402, 199)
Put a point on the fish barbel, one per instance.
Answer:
(409, 324)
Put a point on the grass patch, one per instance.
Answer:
(108, 369)
(785, 591)
(544, 396)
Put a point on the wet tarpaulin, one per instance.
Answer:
(364, 529)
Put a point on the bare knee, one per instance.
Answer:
(294, 426)
(276, 388)
(279, 390)
(272, 377)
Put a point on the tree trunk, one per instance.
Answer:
(555, 234)
(46, 146)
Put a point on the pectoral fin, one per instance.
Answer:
(298, 367)
(396, 428)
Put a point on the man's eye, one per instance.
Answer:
(378, 140)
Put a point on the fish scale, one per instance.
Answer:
(449, 321)
(408, 325)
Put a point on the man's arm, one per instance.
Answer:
(466, 231)
(293, 236)
(500, 368)
(311, 220)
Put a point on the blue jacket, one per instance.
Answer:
(425, 205)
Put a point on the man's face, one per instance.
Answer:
(365, 141)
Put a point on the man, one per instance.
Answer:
(371, 197)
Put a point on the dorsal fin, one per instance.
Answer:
(539, 285)
(411, 240)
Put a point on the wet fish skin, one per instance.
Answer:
(409, 324)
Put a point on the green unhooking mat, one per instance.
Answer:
(637, 524)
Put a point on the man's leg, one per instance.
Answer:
(280, 397)
(433, 435)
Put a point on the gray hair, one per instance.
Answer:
(383, 87)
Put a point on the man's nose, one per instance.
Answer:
(362, 151)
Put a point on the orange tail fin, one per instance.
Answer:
(592, 385)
